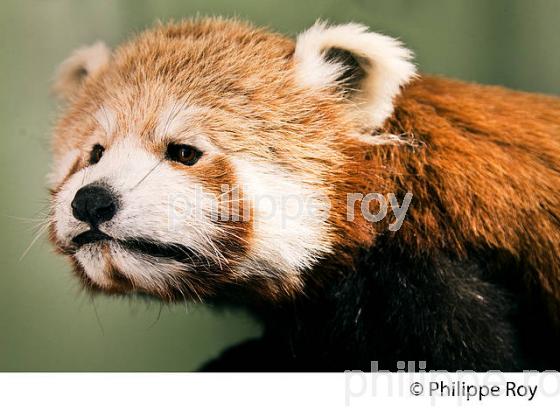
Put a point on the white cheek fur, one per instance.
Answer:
(144, 272)
(147, 273)
(94, 264)
(290, 230)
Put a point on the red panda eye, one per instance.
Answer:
(185, 154)
(96, 154)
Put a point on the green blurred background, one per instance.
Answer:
(46, 323)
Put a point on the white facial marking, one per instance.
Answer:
(179, 122)
(176, 117)
(289, 217)
(107, 119)
(93, 261)
(146, 272)
(61, 168)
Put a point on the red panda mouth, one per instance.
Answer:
(91, 236)
(177, 252)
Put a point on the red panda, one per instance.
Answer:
(214, 161)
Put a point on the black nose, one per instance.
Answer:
(94, 203)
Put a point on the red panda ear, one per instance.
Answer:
(82, 63)
(369, 68)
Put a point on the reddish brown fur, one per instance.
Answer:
(482, 162)
(484, 171)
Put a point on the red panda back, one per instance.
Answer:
(484, 171)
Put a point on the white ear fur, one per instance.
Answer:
(83, 62)
(387, 65)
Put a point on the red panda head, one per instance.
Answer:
(210, 155)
